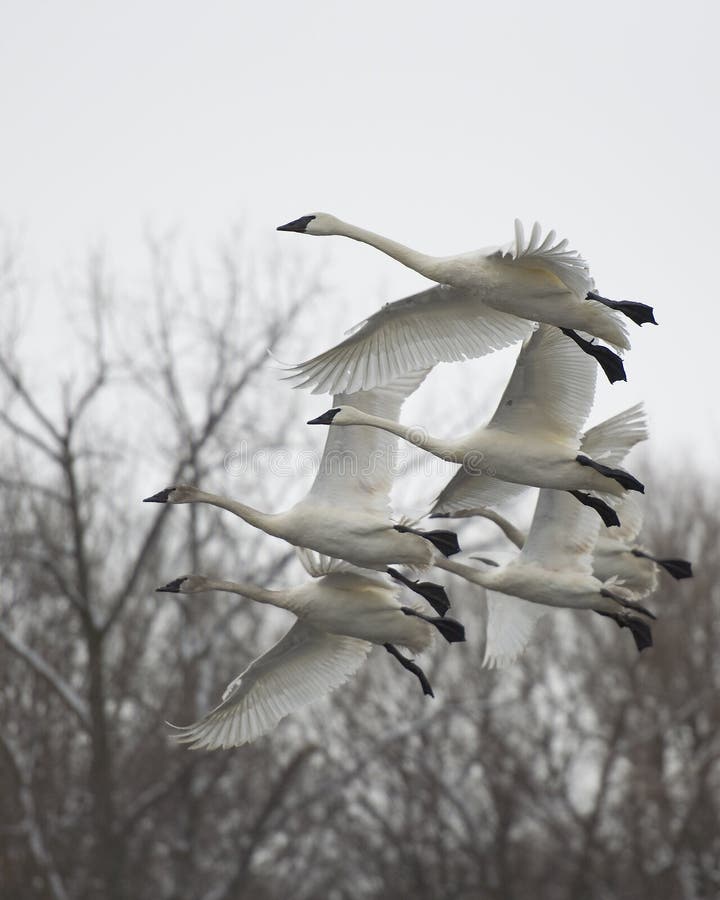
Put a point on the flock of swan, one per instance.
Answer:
(580, 551)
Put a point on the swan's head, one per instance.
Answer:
(179, 493)
(338, 415)
(186, 584)
(317, 223)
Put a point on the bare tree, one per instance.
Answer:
(85, 643)
(583, 771)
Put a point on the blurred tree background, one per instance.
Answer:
(585, 771)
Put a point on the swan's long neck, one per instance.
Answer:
(469, 573)
(420, 262)
(281, 599)
(511, 532)
(264, 521)
(413, 435)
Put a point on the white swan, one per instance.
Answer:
(555, 565)
(346, 514)
(532, 439)
(482, 302)
(617, 553)
(608, 442)
(554, 568)
(339, 617)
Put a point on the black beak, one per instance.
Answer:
(173, 587)
(326, 418)
(160, 497)
(298, 225)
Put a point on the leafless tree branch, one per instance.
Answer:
(31, 827)
(52, 678)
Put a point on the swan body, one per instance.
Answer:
(553, 569)
(555, 566)
(340, 616)
(524, 459)
(346, 513)
(614, 559)
(617, 554)
(538, 582)
(533, 437)
(345, 603)
(613, 556)
(541, 413)
(356, 535)
(483, 300)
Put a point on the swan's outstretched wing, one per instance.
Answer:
(562, 534)
(300, 668)
(565, 273)
(466, 489)
(551, 255)
(550, 392)
(551, 389)
(357, 465)
(610, 441)
(510, 626)
(441, 324)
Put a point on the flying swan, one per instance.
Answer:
(617, 553)
(346, 514)
(532, 439)
(340, 615)
(555, 565)
(483, 300)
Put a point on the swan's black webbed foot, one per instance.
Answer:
(628, 604)
(452, 630)
(623, 478)
(610, 363)
(434, 593)
(678, 568)
(640, 629)
(444, 541)
(408, 664)
(603, 509)
(640, 313)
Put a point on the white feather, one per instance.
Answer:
(303, 666)
(482, 301)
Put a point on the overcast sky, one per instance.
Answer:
(434, 123)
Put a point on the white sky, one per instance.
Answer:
(434, 123)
